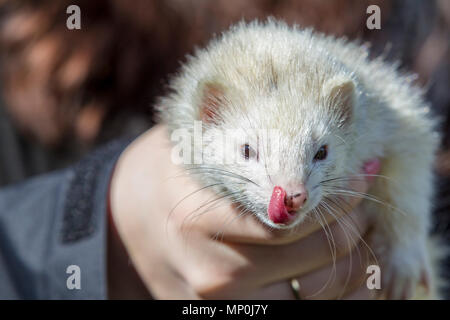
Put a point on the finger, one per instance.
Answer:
(217, 215)
(281, 290)
(165, 282)
(201, 208)
(333, 282)
(326, 283)
(275, 263)
(371, 168)
(257, 266)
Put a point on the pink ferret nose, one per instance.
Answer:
(296, 198)
(284, 204)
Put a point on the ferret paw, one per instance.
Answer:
(403, 270)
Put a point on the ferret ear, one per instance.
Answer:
(212, 97)
(340, 93)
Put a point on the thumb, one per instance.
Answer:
(371, 168)
(362, 183)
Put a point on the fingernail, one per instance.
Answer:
(371, 167)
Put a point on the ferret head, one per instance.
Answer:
(276, 123)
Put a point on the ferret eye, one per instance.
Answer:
(248, 152)
(322, 153)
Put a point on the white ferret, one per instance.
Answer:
(332, 109)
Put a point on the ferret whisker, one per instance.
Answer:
(338, 179)
(342, 139)
(354, 226)
(222, 195)
(355, 177)
(331, 244)
(187, 196)
(328, 231)
(339, 190)
(241, 214)
(202, 169)
(200, 172)
(265, 167)
(346, 210)
(341, 220)
(374, 175)
(211, 204)
(362, 195)
(349, 239)
(358, 234)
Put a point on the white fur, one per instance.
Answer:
(275, 76)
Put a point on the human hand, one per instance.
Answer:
(178, 254)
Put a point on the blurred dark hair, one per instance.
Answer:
(60, 83)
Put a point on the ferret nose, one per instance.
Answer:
(296, 198)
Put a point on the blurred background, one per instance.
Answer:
(63, 92)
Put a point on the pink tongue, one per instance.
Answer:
(277, 210)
